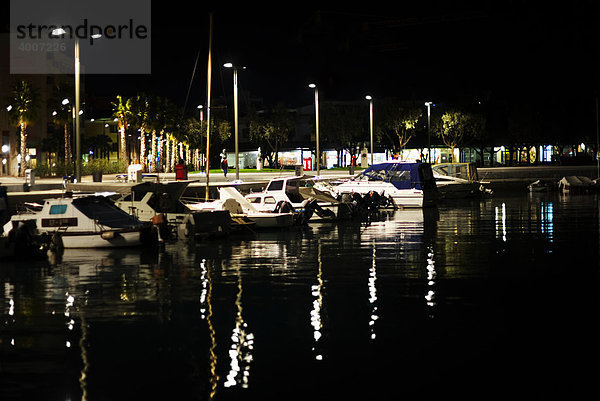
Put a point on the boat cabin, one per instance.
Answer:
(400, 175)
(281, 189)
(466, 171)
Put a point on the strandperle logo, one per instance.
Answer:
(44, 35)
(85, 31)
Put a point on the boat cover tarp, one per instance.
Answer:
(105, 212)
(401, 175)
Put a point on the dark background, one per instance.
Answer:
(539, 56)
(513, 49)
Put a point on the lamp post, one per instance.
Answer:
(58, 32)
(77, 128)
(429, 104)
(235, 118)
(370, 99)
(318, 156)
(201, 110)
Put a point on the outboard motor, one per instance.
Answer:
(283, 207)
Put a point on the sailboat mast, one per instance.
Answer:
(208, 103)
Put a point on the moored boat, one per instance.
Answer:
(408, 184)
(459, 180)
(88, 221)
(577, 184)
(161, 203)
(301, 194)
(230, 199)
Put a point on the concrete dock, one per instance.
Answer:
(499, 178)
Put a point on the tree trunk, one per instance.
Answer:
(67, 144)
(174, 159)
(167, 155)
(143, 149)
(160, 152)
(23, 149)
(153, 153)
(123, 151)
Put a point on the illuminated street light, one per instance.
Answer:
(201, 110)
(235, 112)
(370, 99)
(429, 104)
(318, 158)
(76, 110)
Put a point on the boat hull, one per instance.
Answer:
(402, 198)
(272, 220)
(105, 239)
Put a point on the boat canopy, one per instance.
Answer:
(105, 212)
(401, 175)
(466, 171)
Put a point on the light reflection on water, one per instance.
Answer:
(463, 291)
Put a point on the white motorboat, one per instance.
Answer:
(577, 184)
(230, 199)
(458, 180)
(80, 222)
(301, 194)
(161, 203)
(538, 186)
(408, 184)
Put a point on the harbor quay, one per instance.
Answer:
(497, 178)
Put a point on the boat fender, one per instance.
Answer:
(56, 242)
(158, 219)
(188, 229)
(108, 235)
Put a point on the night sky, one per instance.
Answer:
(514, 49)
(494, 52)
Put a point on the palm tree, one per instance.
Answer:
(122, 112)
(62, 114)
(22, 111)
(141, 116)
(165, 123)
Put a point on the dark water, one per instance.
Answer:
(495, 299)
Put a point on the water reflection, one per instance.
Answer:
(373, 293)
(242, 344)
(326, 304)
(431, 275)
(500, 218)
(317, 303)
(212, 355)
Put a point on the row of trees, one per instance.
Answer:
(401, 124)
(150, 126)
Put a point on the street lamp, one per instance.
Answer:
(429, 104)
(58, 32)
(318, 158)
(370, 99)
(235, 111)
(201, 110)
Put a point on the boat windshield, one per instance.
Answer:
(401, 175)
(276, 185)
(384, 175)
(104, 212)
